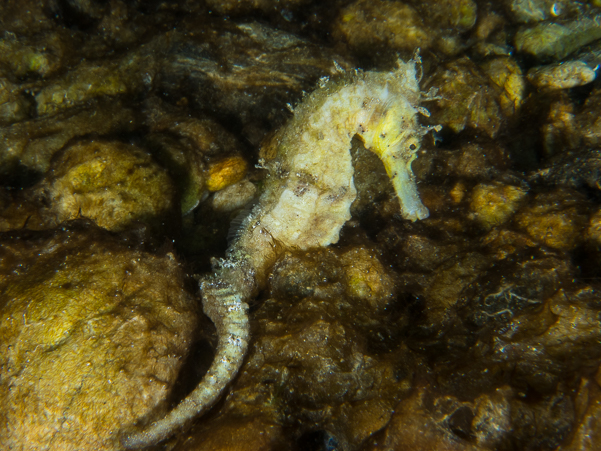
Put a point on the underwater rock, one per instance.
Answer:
(532, 11)
(569, 127)
(30, 144)
(593, 233)
(586, 433)
(185, 163)
(510, 295)
(555, 219)
(370, 25)
(478, 160)
(14, 105)
(575, 169)
(467, 98)
(373, 186)
(118, 186)
(27, 17)
(564, 75)
(544, 425)
(367, 280)
(569, 341)
(267, 69)
(490, 34)
(421, 253)
(39, 56)
(552, 41)
(256, 433)
(234, 197)
(476, 328)
(494, 204)
(93, 333)
(245, 6)
(507, 75)
(440, 423)
(456, 15)
(99, 79)
(588, 122)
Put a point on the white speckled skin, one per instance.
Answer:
(306, 202)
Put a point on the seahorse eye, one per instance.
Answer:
(412, 147)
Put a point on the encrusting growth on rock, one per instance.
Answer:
(307, 200)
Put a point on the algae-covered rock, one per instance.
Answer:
(40, 56)
(477, 160)
(423, 423)
(560, 131)
(593, 233)
(561, 76)
(476, 328)
(543, 343)
(267, 69)
(367, 280)
(93, 80)
(27, 17)
(555, 219)
(14, 105)
(507, 75)
(467, 98)
(510, 295)
(459, 15)
(244, 6)
(486, 423)
(444, 287)
(371, 181)
(492, 39)
(114, 184)
(93, 333)
(118, 186)
(532, 11)
(586, 434)
(575, 129)
(186, 166)
(257, 433)
(551, 41)
(370, 25)
(575, 169)
(31, 143)
(494, 204)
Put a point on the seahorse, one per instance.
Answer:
(306, 201)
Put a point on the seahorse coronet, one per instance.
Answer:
(306, 201)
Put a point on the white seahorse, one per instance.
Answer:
(307, 200)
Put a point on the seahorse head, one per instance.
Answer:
(394, 134)
(392, 127)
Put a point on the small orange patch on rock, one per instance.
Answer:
(226, 172)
